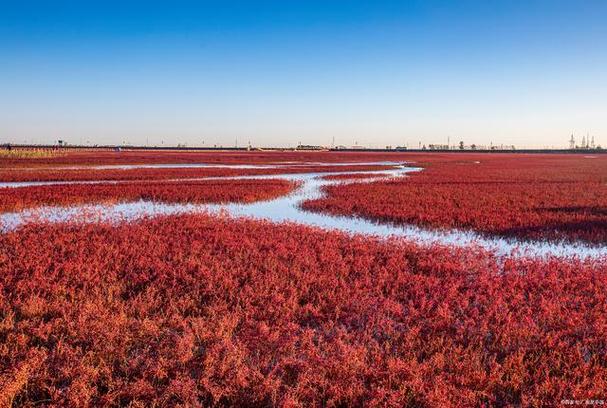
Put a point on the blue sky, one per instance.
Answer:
(279, 72)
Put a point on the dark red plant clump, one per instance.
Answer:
(216, 191)
(200, 311)
(526, 196)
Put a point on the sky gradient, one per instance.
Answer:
(276, 73)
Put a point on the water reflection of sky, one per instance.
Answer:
(287, 209)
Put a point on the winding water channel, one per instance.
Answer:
(287, 209)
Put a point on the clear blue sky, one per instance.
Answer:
(279, 72)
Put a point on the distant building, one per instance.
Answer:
(309, 147)
(438, 147)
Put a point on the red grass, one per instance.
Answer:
(197, 310)
(97, 157)
(528, 196)
(49, 174)
(169, 192)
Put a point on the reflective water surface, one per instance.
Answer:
(287, 209)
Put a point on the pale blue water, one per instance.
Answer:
(287, 209)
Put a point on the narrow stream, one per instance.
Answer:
(287, 209)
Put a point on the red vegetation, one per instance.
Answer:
(198, 310)
(528, 196)
(50, 174)
(82, 157)
(217, 191)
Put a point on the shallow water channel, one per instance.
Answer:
(287, 209)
